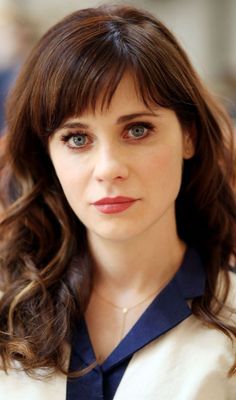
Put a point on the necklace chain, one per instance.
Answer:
(124, 310)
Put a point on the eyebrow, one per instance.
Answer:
(120, 120)
(128, 117)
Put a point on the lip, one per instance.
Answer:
(114, 200)
(113, 205)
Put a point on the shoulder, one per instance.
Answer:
(191, 361)
(19, 386)
(193, 356)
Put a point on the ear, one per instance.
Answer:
(188, 144)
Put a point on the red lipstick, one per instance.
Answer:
(113, 205)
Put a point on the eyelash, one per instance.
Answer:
(147, 125)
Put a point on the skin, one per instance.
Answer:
(136, 251)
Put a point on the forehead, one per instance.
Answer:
(127, 100)
(127, 93)
(123, 94)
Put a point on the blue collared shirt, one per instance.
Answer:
(167, 310)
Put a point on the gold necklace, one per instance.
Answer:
(124, 310)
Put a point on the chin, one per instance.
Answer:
(117, 234)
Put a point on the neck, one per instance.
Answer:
(141, 265)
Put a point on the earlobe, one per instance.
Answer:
(189, 148)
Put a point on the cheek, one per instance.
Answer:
(69, 172)
(167, 161)
(163, 173)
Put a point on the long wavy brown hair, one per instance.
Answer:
(45, 263)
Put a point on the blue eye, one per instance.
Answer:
(78, 140)
(138, 131)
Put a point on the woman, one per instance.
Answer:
(119, 230)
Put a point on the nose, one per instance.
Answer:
(111, 164)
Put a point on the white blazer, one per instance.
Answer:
(190, 362)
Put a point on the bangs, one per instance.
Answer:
(90, 83)
(81, 63)
(93, 89)
(86, 76)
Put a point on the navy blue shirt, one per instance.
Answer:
(166, 311)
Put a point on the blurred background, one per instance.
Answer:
(205, 28)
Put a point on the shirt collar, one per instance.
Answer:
(167, 310)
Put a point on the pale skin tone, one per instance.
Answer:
(127, 150)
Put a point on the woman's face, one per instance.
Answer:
(121, 169)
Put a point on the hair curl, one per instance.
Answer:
(45, 264)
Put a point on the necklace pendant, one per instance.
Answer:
(124, 310)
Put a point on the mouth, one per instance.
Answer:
(113, 205)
